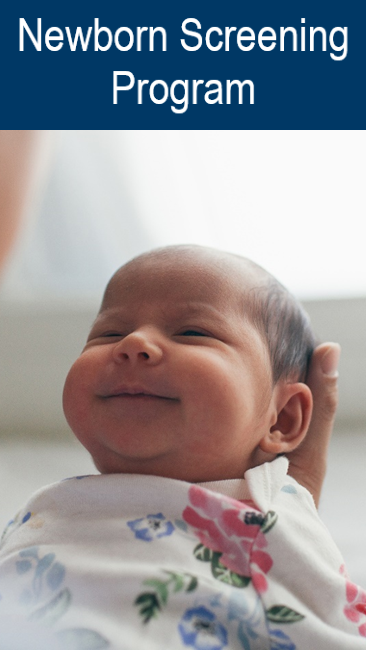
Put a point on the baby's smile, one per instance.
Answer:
(135, 392)
(175, 378)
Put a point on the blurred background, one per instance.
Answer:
(294, 201)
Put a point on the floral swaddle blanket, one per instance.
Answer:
(130, 562)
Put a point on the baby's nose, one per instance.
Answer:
(138, 347)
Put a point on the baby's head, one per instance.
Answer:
(193, 368)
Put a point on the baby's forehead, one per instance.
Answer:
(189, 274)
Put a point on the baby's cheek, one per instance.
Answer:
(213, 394)
(74, 394)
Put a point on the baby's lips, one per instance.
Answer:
(135, 389)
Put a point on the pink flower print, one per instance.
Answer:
(355, 610)
(232, 529)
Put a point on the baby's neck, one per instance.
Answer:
(236, 488)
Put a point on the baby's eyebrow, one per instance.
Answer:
(193, 309)
(118, 316)
(111, 315)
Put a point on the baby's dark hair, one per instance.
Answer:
(286, 327)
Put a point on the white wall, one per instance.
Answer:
(293, 201)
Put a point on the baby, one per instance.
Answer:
(192, 376)
(193, 369)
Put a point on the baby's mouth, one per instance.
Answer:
(135, 396)
(136, 393)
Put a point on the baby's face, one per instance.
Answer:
(174, 380)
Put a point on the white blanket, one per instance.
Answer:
(131, 562)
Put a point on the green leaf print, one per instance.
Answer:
(177, 580)
(223, 574)
(149, 606)
(160, 587)
(193, 584)
(219, 571)
(269, 521)
(283, 614)
(203, 553)
(151, 602)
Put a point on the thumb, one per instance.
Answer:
(308, 462)
(323, 382)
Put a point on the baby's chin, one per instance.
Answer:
(154, 465)
(166, 468)
(148, 453)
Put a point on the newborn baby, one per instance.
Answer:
(193, 369)
(187, 394)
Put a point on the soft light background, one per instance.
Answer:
(292, 201)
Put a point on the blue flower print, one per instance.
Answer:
(290, 489)
(200, 629)
(45, 574)
(13, 524)
(280, 641)
(151, 527)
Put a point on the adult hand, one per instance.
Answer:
(308, 462)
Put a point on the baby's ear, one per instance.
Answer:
(294, 405)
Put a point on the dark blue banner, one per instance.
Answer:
(183, 65)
